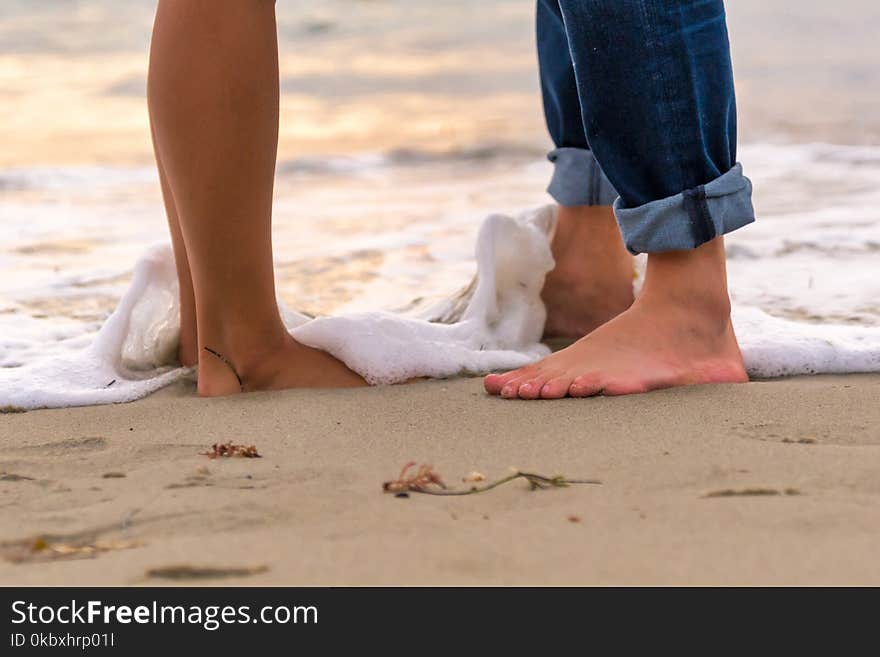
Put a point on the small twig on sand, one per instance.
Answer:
(425, 477)
(41, 549)
(416, 483)
(229, 450)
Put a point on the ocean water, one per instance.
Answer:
(403, 125)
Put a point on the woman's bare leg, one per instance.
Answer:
(188, 352)
(213, 97)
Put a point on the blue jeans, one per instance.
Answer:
(639, 100)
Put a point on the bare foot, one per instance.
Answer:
(288, 365)
(677, 333)
(592, 281)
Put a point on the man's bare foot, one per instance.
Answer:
(592, 281)
(288, 365)
(677, 333)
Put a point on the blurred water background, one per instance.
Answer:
(403, 123)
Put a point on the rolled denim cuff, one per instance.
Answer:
(689, 219)
(578, 179)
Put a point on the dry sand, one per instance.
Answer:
(311, 511)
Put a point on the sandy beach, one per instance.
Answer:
(770, 482)
(403, 125)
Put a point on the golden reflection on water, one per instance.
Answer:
(92, 108)
(432, 78)
(379, 81)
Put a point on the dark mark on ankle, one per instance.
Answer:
(228, 364)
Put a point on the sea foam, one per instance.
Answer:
(494, 323)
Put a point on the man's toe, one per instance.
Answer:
(586, 385)
(493, 383)
(531, 389)
(556, 388)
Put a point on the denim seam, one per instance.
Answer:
(702, 226)
(667, 118)
(594, 184)
(682, 122)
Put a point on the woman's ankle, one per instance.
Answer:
(243, 345)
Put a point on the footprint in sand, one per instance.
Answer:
(11, 476)
(752, 492)
(62, 447)
(187, 572)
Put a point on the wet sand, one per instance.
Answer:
(765, 483)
